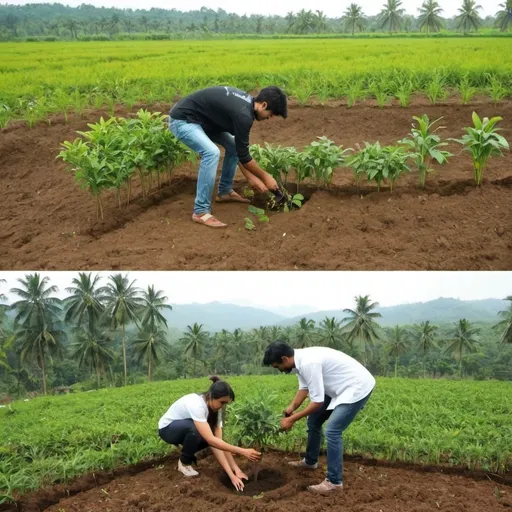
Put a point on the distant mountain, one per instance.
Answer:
(216, 316)
(439, 311)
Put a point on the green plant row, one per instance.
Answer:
(40, 79)
(375, 163)
(114, 152)
(51, 439)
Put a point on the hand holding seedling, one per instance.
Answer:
(287, 423)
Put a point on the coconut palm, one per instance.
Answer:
(153, 305)
(38, 330)
(320, 21)
(150, 346)
(506, 323)
(195, 338)
(84, 304)
(91, 349)
(504, 17)
(360, 324)
(290, 21)
(123, 302)
(391, 16)
(222, 342)
(396, 344)
(330, 332)
(354, 18)
(304, 22)
(430, 16)
(463, 341)
(469, 19)
(304, 333)
(424, 335)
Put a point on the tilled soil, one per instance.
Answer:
(368, 486)
(47, 222)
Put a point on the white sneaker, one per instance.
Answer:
(301, 464)
(187, 470)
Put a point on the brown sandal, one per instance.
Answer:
(208, 220)
(232, 197)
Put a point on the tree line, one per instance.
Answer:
(56, 21)
(117, 333)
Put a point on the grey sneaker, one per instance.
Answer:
(187, 470)
(301, 464)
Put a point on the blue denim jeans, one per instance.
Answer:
(193, 136)
(339, 419)
(184, 432)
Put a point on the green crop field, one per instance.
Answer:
(42, 78)
(51, 439)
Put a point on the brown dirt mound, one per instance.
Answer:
(48, 223)
(367, 487)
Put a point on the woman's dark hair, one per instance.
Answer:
(275, 352)
(276, 100)
(218, 389)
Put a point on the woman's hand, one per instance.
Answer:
(237, 482)
(251, 454)
(240, 474)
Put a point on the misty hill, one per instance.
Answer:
(439, 311)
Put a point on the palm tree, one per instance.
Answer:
(397, 344)
(354, 18)
(468, 19)
(259, 23)
(504, 17)
(150, 345)
(123, 303)
(360, 324)
(275, 332)
(85, 302)
(290, 21)
(304, 22)
(38, 331)
(259, 338)
(430, 16)
(92, 351)
(320, 21)
(391, 15)
(153, 303)
(463, 341)
(305, 331)
(222, 342)
(424, 335)
(72, 25)
(506, 323)
(330, 332)
(195, 338)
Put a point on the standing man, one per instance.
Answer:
(224, 115)
(338, 388)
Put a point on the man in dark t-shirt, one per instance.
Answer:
(224, 115)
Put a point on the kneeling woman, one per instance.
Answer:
(195, 422)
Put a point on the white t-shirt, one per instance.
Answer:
(192, 407)
(325, 371)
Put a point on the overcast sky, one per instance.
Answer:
(314, 290)
(267, 7)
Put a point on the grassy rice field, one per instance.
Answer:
(42, 78)
(52, 439)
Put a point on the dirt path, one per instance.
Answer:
(48, 223)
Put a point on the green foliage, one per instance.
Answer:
(483, 142)
(112, 152)
(259, 213)
(426, 146)
(379, 164)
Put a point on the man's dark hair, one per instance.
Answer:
(276, 351)
(276, 100)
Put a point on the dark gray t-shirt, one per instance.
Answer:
(220, 109)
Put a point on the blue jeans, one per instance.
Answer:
(193, 136)
(339, 419)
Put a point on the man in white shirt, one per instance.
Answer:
(338, 387)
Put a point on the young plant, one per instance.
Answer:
(255, 423)
(436, 89)
(467, 91)
(483, 141)
(285, 202)
(379, 163)
(426, 146)
(496, 89)
(276, 160)
(322, 157)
